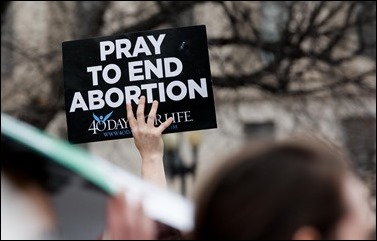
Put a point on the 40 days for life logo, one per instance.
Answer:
(111, 127)
(101, 123)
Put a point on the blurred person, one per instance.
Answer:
(26, 209)
(288, 190)
(282, 190)
(28, 181)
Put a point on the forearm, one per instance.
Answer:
(152, 170)
(149, 142)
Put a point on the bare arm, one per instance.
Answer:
(149, 142)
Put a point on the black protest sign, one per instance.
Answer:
(102, 74)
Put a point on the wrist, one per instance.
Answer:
(152, 169)
(152, 158)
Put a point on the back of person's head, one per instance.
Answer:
(282, 190)
(27, 183)
(25, 167)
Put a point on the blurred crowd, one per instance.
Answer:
(295, 189)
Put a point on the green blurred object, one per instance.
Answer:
(159, 204)
(62, 152)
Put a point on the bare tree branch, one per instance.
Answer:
(166, 13)
(314, 31)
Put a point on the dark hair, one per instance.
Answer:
(270, 193)
(24, 167)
